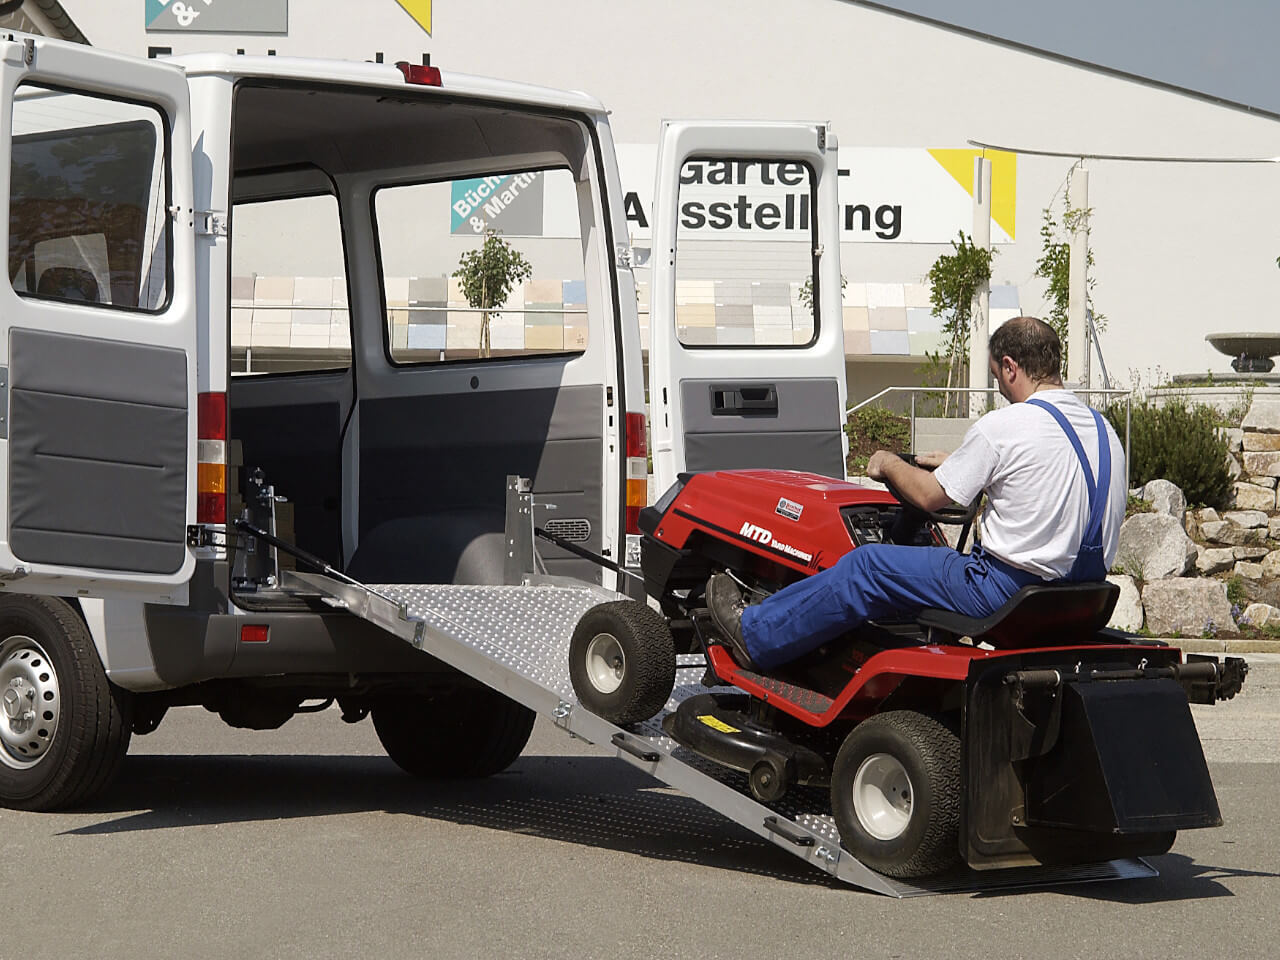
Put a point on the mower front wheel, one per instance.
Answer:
(895, 793)
(622, 661)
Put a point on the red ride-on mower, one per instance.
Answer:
(1033, 736)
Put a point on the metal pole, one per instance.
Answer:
(1128, 431)
(980, 328)
(913, 421)
(1078, 283)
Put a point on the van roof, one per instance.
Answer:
(350, 72)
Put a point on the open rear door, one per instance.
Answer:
(97, 323)
(746, 355)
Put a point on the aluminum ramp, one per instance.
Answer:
(516, 640)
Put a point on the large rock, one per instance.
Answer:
(1188, 606)
(1268, 482)
(1249, 519)
(1207, 515)
(1251, 442)
(1128, 612)
(1235, 438)
(1154, 545)
(1273, 528)
(1165, 497)
(1252, 497)
(1261, 464)
(1259, 615)
(1271, 565)
(1224, 531)
(1233, 468)
(1211, 560)
(1263, 416)
(1250, 553)
(1250, 571)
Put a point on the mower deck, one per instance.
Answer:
(516, 640)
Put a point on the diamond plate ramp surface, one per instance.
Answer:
(516, 639)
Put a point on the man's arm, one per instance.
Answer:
(917, 485)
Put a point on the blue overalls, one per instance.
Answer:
(888, 580)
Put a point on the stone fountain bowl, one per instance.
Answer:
(1250, 352)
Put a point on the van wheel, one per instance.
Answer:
(622, 661)
(895, 794)
(461, 733)
(64, 727)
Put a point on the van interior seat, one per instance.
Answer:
(68, 283)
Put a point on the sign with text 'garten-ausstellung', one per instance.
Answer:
(217, 16)
(887, 195)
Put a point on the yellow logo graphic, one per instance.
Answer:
(1004, 179)
(420, 10)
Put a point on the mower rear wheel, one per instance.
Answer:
(622, 661)
(895, 793)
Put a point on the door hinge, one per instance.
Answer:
(822, 139)
(28, 51)
(199, 535)
(211, 223)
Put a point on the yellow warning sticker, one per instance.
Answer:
(717, 724)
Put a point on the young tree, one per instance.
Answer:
(487, 276)
(954, 280)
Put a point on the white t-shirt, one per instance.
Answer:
(1037, 501)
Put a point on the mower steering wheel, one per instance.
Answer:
(953, 514)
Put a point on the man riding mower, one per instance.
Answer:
(957, 706)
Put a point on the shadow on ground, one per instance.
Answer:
(552, 797)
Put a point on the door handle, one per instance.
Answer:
(759, 400)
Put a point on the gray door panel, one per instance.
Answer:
(784, 423)
(97, 453)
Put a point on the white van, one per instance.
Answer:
(230, 298)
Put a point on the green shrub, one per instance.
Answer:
(874, 428)
(1178, 443)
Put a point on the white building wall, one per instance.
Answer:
(1181, 250)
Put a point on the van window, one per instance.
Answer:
(745, 271)
(288, 299)
(88, 200)
(424, 232)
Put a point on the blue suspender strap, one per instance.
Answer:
(1091, 544)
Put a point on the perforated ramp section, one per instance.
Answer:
(516, 639)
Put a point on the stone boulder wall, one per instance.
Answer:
(1154, 546)
(1188, 606)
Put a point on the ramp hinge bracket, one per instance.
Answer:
(828, 858)
(560, 715)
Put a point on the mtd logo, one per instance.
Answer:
(765, 537)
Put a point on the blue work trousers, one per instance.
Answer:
(873, 581)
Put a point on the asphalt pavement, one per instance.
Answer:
(307, 842)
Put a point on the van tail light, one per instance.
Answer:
(637, 447)
(211, 456)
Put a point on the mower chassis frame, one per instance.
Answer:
(515, 639)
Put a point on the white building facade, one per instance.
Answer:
(1181, 249)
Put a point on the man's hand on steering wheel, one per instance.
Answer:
(916, 486)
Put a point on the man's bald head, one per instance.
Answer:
(1030, 343)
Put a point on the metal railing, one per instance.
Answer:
(1086, 393)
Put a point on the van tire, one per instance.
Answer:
(86, 719)
(463, 733)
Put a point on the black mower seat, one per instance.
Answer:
(1045, 615)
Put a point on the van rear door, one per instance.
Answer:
(97, 324)
(746, 356)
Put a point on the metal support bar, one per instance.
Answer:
(517, 562)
